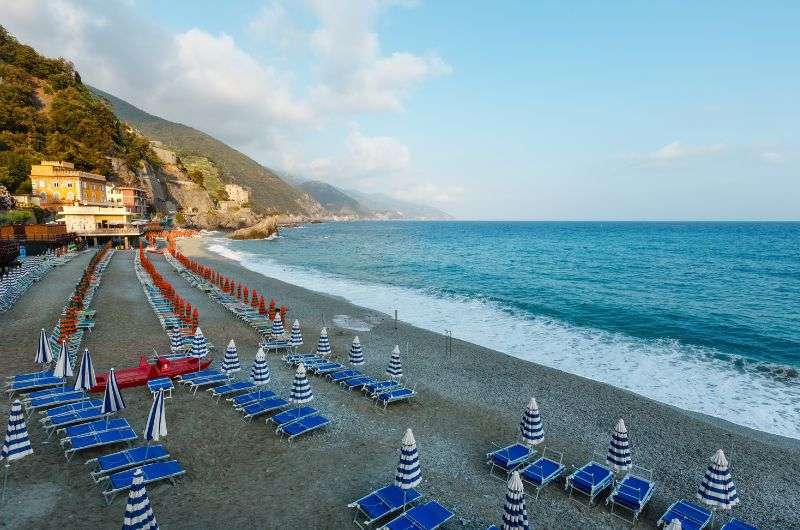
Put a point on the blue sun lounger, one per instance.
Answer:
(428, 516)
(33, 384)
(62, 421)
(51, 414)
(264, 406)
(543, 470)
(251, 397)
(211, 380)
(161, 383)
(358, 382)
(632, 493)
(509, 458)
(325, 368)
(297, 358)
(393, 396)
(591, 480)
(302, 426)
(100, 439)
(372, 389)
(128, 458)
(186, 378)
(52, 391)
(56, 399)
(30, 375)
(341, 375)
(381, 503)
(276, 345)
(691, 516)
(230, 389)
(94, 427)
(736, 524)
(122, 480)
(288, 416)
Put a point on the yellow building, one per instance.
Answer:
(98, 220)
(59, 183)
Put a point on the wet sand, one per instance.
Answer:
(242, 476)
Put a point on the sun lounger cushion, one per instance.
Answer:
(304, 425)
(162, 383)
(691, 516)
(32, 375)
(50, 414)
(590, 478)
(358, 381)
(428, 516)
(76, 417)
(102, 438)
(542, 471)
(291, 415)
(509, 457)
(250, 397)
(264, 406)
(136, 456)
(380, 386)
(236, 386)
(341, 375)
(95, 427)
(384, 501)
(397, 394)
(52, 391)
(633, 492)
(31, 384)
(150, 472)
(736, 524)
(57, 399)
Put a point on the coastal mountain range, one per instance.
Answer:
(49, 113)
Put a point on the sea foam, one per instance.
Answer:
(689, 377)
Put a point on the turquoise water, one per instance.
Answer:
(643, 306)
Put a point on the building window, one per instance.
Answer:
(43, 196)
(70, 196)
(41, 184)
(69, 184)
(55, 183)
(56, 196)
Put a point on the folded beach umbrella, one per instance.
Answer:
(175, 340)
(619, 451)
(156, 426)
(199, 345)
(138, 513)
(324, 345)
(356, 353)
(408, 473)
(515, 517)
(259, 372)
(230, 363)
(530, 427)
(717, 489)
(16, 444)
(297, 338)
(43, 353)
(112, 398)
(301, 388)
(277, 326)
(675, 524)
(63, 368)
(395, 368)
(85, 379)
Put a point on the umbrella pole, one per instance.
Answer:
(5, 479)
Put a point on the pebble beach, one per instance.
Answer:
(469, 402)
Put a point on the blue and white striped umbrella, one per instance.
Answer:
(717, 489)
(515, 517)
(530, 427)
(297, 338)
(16, 444)
(395, 368)
(259, 373)
(156, 426)
(85, 379)
(199, 345)
(63, 368)
(112, 399)
(356, 353)
(43, 353)
(619, 450)
(230, 363)
(277, 326)
(408, 473)
(138, 513)
(175, 340)
(324, 344)
(675, 524)
(301, 388)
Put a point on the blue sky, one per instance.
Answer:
(509, 110)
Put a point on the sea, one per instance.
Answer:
(704, 316)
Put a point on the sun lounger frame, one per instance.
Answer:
(410, 497)
(640, 473)
(110, 494)
(596, 489)
(551, 455)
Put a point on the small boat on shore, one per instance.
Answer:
(162, 367)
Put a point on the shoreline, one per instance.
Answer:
(677, 443)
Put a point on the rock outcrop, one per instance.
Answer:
(264, 229)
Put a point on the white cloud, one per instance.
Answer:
(677, 150)
(773, 157)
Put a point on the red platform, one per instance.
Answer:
(140, 375)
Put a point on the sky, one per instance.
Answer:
(619, 110)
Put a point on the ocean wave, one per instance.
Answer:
(694, 378)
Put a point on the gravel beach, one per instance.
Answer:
(243, 476)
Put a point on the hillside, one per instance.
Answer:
(386, 207)
(270, 194)
(47, 113)
(334, 200)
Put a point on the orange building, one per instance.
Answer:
(59, 183)
(132, 198)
